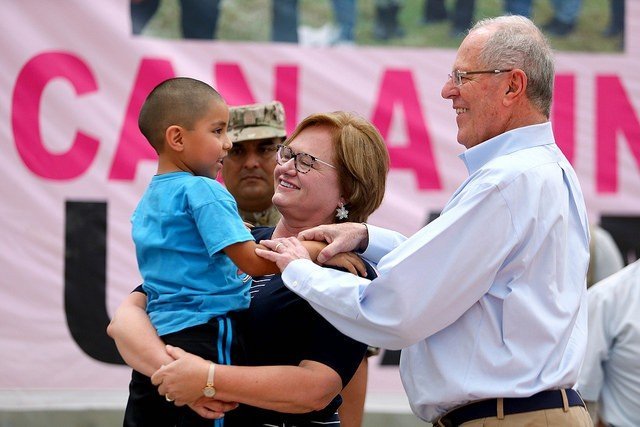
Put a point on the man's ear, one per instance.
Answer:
(173, 137)
(517, 86)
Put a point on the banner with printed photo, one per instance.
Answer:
(72, 82)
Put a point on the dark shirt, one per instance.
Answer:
(283, 329)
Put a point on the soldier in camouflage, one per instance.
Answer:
(255, 131)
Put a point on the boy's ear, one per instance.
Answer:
(173, 138)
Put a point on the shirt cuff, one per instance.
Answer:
(329, 291)
(297, 273)
(381, 242)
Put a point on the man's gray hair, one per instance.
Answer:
(516, 42)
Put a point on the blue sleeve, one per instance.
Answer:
(216, 216)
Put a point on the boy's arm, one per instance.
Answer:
(243, 255)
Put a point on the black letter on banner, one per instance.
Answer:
(390, 358)
(85, 279)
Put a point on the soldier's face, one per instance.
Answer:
(248, 173)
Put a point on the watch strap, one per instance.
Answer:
(212, 369)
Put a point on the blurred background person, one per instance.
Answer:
(198, 18)
(518, 7)
(345, 12)
(609, 380)
(461, 16)
(255, 130)
(387, 24)
(565, 17)
(616, 19)
(605, 257)
(285, 22)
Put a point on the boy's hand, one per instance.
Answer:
(350, 262)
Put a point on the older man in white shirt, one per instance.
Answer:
(488, 301)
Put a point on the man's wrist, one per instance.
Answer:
(364, 241)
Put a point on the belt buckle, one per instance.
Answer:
(443, 421)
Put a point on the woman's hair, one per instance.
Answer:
(178, 101)
(361, 158)
(517, 43)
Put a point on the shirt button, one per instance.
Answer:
(295, 283)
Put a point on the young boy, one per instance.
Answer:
(193, 249)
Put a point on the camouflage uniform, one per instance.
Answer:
(251, 122)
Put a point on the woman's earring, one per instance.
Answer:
(342, 212)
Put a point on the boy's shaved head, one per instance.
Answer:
(178, 101)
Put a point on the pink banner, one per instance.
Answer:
(73, 79)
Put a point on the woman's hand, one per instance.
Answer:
(211, 408)
(183, 379)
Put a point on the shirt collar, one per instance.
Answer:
(514, 140)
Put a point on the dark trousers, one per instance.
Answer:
(198, 18)
(218, 341)
(284, 25)
(617, 14)
(461, 18)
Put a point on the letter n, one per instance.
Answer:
(615, 116)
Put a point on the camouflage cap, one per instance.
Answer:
(256, 121)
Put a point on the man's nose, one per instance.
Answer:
(252, 159)
(449, 90)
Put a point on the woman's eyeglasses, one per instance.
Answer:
(303, 162)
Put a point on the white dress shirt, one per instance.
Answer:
(489, 299)
(611, 371)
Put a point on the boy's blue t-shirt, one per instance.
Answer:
(179, 228)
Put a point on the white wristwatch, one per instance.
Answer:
(208, 390)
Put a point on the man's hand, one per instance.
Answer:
(283, 251)
(346, 237)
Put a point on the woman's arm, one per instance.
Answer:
(293, 389)
(135, 336)
(351, 411)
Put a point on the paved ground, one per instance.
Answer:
(114, 418)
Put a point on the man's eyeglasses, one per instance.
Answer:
(239, 151)
(303, 162)
(457, 75)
